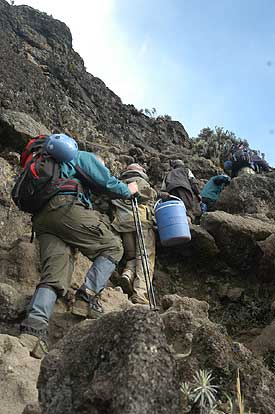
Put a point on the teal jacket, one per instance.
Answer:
(214, 187)
(104, 182)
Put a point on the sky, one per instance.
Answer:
(203, 62)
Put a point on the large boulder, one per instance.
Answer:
(134, 362)
(18, 127)
(237, 237)
(250, 194)
(118, 364)
(201, 344)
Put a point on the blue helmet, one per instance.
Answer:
(62, 147)
(227, 165)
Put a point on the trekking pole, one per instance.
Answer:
(143, 254)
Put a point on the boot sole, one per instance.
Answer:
(126, 286)
(91, 314)
(37, 348)
(80, 308)
(79, 312)
(39, 351)
(137, 300)
(94, 314)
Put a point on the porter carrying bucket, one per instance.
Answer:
(172, 222)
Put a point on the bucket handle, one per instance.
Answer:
(160, 201)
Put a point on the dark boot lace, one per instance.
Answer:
(90, 297)
(95, 303)
(81, 293)
(41, 333)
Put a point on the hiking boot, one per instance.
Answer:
(138, 299)
(125, 282)
(34, 336)
(87, 304)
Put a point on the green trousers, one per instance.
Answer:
(64, 225)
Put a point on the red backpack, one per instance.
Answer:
(40, 179)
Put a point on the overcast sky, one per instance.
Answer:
(204, 62)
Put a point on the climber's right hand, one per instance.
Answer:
(133, 188)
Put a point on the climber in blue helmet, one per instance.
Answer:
(62, 147)
(68, 222)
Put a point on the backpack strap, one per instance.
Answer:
(34, 146)
(88, 182)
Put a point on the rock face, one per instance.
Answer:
(19, 272)
(46, 79)
(237, 237)
(119, 364)
(131, 359)
(251, 195)
(199, 342)
(134, 361)
(18, 376)
(13, 223)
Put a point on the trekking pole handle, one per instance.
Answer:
(135, 195)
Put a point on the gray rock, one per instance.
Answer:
(19, 127)
(202, 344)
(264, 342)
(237, 237)
(203, 243)
(266, 269)
(20, 265)
(18, 373)
(249, 194)
(11, 302)
(120, 363)
(232, 294)
(32, 408)
(125, 362)
(45, 78)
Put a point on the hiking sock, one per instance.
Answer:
(42, 304)
(99, 273)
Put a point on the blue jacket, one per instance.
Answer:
(99, 174)
(214, 187)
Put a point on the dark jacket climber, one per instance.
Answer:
(260, 165)
(132, 279)
(212, 190)
(181, 182)
(244, 161)
(68, 222)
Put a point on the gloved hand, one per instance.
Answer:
(164, 196)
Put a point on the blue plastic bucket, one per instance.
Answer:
(172, 222)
